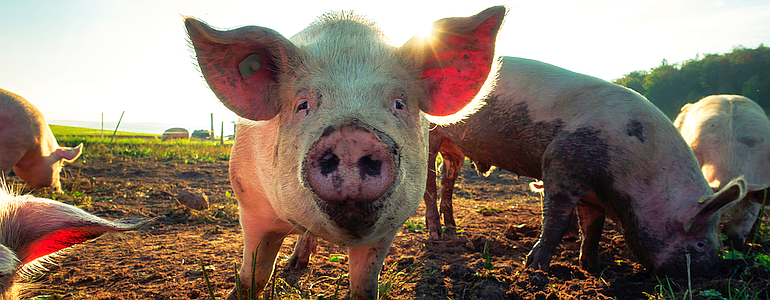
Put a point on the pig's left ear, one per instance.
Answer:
(49, 226)
(242, 65)
(457, 59)
(69, 154)
(711, 206)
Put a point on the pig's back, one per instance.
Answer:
(532, 103)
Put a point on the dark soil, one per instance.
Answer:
(498, 222)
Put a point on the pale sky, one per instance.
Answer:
(77, 59)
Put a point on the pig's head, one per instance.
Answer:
(40, 171)
(694, 233)
(351, 145)
(31, 229)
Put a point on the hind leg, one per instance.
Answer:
(565, 182)
(453, 162)
(591, 224)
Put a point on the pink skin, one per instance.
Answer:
(350, 163)
(730, 136)
(28, 146)
(338, 143)
(31, 229)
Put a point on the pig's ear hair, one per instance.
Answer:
(712, 205)
(457, 59)
(69, 154)
(759, 194)
(42, 227)
(241, 65)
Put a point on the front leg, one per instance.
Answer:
(365, 266)
(266, 243)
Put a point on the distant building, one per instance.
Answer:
(202, 134)
(175, 133)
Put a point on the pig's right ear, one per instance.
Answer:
(457, 59)
(758, 194)
(711, 206)
(241, 66)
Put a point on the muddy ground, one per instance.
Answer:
(498, 213)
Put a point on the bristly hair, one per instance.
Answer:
(349, 15)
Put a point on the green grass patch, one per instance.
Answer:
(59, 130)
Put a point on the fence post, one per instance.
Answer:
(116, 126)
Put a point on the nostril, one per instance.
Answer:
(329, 162)
(368, 166)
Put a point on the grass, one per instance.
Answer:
(184, 151)
(59, 130)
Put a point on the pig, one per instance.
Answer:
(601, 150)
(27, 145)
(730, 136)
(333, 136)
(34, 230)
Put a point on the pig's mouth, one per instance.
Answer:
(350, 169)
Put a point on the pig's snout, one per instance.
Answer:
(351, 163)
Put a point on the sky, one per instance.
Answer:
(79, 59)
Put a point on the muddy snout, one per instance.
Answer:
(351, 163)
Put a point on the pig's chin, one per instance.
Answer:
(355, 218)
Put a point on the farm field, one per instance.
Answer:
(498, 222)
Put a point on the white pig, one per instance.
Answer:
(338, 145)
(27, 145)
(730, 136)
(33, 229)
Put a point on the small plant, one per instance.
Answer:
(487, 257)
(414, 227)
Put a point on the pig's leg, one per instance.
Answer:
(591, 224)
(306, 245)
(452, 165)
(269, 243)
(562, 175)
(365, 265)
(432, 218)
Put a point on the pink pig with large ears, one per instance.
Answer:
(339, 148)
(27, 145)
(32, 229)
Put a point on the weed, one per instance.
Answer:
(414, 227)
(487, 257)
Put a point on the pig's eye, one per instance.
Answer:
(398, 105)
(302, 105)
(700, 245)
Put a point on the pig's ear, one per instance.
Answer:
(241, 65)
(758, 193)
(711, 205)
(43, 227)
(457, 59)
(69, 154)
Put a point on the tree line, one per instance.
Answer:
(743, 72)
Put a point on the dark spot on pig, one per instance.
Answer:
(368, 166)
(749, 141)
(466, 57)
(580, 157)
(516, 144)
(635, 128)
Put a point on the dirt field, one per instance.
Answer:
(497, 214)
